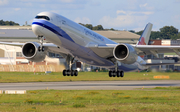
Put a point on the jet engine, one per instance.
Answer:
(125, 53)
(31, 52)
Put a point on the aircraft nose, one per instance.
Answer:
(37, 29)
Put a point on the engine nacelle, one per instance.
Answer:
(125, 53)
(30, 52)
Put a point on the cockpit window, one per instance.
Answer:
(43, 17)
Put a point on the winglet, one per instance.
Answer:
(144, 39)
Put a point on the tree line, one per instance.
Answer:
(98, 27)
(166, 32)
(8, 23)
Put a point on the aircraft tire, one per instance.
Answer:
(122, 74)
(110, 73)
(118, 74)
(114, 73)
(72, 72)
(68, 73)
(64, 72)
(75, 73)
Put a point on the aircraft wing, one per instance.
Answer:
(156, 49)
(106, 51)
(12, 44)
(49, 46)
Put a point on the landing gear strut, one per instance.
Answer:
(116, 72)
(70, 72)
(41, 47)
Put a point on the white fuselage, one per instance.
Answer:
(74, 38)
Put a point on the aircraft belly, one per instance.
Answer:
(85, 54)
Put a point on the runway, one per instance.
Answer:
(89, 85)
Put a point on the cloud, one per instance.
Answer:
(125, 19)
(67, 1)
(17, 9)
(4, 2)
(84, 20)
(120, 12)
(143, 5)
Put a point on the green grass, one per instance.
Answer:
(83, 76)
(170, 54)
(163, 100)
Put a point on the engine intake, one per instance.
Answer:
(125, 53)
(30, 51)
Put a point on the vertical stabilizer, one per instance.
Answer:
(144, 39)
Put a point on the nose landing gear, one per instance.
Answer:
(41, 47)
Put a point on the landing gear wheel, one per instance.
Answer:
(72, 72)
(68, 72)
(64, 72)
(42, 48)
(118, 74)
(75, 73)
(110, 73)
(122, 74)
(114, 73)
(39, 48)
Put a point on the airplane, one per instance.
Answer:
(76, 42)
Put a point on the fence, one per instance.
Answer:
(31, 68)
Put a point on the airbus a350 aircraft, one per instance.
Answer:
(74, 41)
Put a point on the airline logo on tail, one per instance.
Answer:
(142, 41)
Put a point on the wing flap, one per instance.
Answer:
(156, 64)
(156, 49)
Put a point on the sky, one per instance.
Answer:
(117, 14)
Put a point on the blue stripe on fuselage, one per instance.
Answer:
(55, 29)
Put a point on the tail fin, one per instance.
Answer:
(144, 39)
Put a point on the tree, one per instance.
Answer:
(98, 27)
(156, 35)
(168, 32)
(9, 23)
(132, 31)
(140, 32)
(90, 26)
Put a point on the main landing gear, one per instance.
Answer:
(70, 72)
(116, 72)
